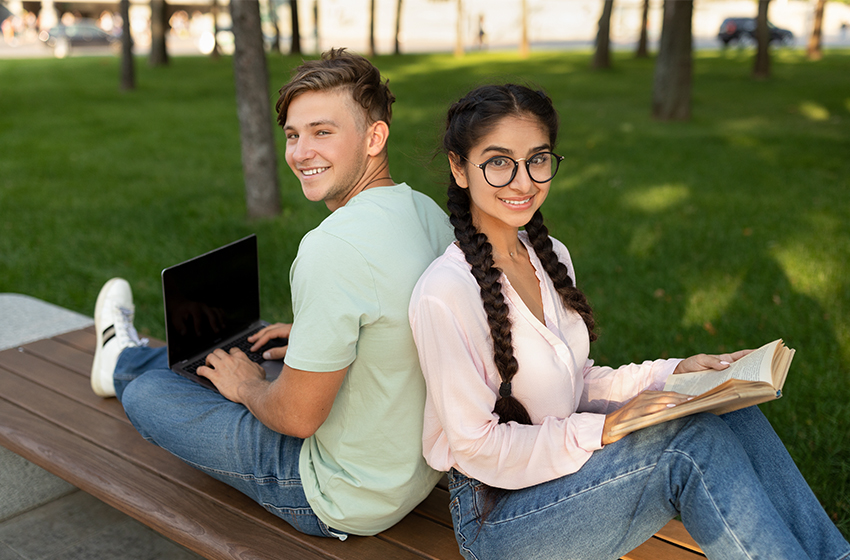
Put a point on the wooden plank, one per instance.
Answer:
(124, 486)
(657, 549)
(51, 377)
(83, 339)
(116, 437)
(676, 533)
(420, 534)
(62, 355)
(436, 507)
(171, 510)
(444, 482)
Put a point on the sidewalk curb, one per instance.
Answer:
(25, 319)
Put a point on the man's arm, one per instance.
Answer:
(299, 401)
(295, 404)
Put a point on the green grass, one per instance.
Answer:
(727, 231)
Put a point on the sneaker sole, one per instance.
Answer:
(96, 384)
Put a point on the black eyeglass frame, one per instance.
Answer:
(558, 160)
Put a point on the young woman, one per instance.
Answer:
(518, 414)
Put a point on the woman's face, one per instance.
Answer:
(513, 205)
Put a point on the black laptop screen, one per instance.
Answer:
(211, 298)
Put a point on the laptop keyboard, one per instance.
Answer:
(243, 344)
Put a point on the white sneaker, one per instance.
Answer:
(113, 321)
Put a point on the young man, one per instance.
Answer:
(333, 446)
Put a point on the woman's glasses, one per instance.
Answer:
(499, 171)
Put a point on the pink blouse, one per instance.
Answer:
(565, 394)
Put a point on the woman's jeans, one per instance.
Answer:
(739, 494)
(215, 435)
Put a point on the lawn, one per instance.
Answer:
(724, 232)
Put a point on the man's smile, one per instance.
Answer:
(313, 171)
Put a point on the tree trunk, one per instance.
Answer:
(128, 70)
(602, 56)
(275, 46)
(671, 95)
(259, 161)
(216, 51)
(398, 28)
(459, 51)
(761, 70)
(642, 49)
(316, 38)
(524, 47)
(372, 28)
(295, 46)
(814, 52)
(159, 23)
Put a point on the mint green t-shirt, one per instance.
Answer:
(363, 469)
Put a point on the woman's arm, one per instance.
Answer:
(607, 389)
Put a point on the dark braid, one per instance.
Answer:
(572, 297)
(479, 254)
(470, 119)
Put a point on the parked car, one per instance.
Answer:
(743, 31)
(84, 33)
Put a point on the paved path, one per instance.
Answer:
(41, 516)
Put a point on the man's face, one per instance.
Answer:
(326, 145)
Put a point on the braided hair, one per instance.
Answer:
(468, 120)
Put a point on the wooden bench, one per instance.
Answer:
(49, 416)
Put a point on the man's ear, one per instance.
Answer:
(378, 134)
(457, 170)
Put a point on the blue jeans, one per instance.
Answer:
(739, 494)
(215, 435)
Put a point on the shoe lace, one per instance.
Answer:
(125, 330)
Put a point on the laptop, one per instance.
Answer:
(213, 301)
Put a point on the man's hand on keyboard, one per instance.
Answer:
(271, 333)
(231, 372)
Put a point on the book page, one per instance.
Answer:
(755, 366)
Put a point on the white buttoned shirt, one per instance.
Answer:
(566, 395)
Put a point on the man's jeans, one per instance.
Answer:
(215, 435)
(739, 494)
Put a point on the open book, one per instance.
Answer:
(756, 378)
